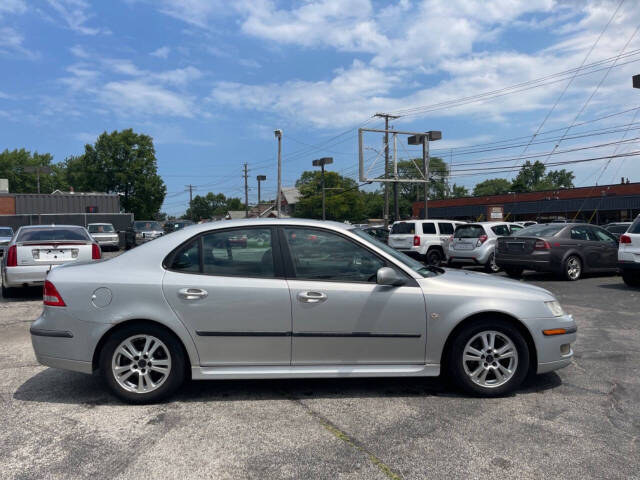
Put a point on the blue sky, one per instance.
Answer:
(210, 81)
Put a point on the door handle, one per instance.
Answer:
(192, 293)
(312, 297)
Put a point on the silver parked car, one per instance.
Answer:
(36, 249)
(6, 233)
(288, 299)
(475, 244)
(104, 234)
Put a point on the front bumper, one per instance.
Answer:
(103, 242)
(554, 351)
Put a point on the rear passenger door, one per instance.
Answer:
(228, 288)
(583, 240)
(608, 246)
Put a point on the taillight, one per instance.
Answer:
(625, 239)
(542, 245)
(416, 241)
(12, 256)
(96, 254)
(51, 296)
(481, 240)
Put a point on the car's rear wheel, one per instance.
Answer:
(434, 257)
(489, 358)
(572, 268)
(142, 363)
(491, 266)
(514, 272)
(631, 279)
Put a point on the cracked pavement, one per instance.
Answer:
(580, 422)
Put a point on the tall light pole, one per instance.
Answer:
(260, 178)
(38, 170)
(321, 162)
(278, 134)
(424, 141)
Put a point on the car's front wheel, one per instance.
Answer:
(489, 358)
(142, 363)
(631, 279)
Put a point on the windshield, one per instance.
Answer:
(101, 229)
(414, 265)
(146, 226)
(53, 234)
(540, 230)
(6, 232)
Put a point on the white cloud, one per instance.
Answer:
(13, 7)
(195, 12)
(140, 97)
(75, 14)
(79, 51)
(162, 52)
(12, 43)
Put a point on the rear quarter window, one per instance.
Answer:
(445, 228)
(403, 228)
(635, 226)
(501, 230)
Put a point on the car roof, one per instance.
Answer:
(99, 223)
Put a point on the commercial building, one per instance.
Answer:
(597, 204)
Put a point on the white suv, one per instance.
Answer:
(422, 238)
(629, 254)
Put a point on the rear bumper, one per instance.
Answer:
(527, 263)
(25, 275)
(629, 266)
(474, 257)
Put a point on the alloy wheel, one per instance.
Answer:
(490, 359)
(141, 364)
(574, 268)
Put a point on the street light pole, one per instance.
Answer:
(278, 134)
(321, 162)
(424, 141)
(260, 178)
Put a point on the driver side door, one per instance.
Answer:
(341, 316)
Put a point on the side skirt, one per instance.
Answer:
(321, 371)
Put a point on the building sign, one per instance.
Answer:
(495, 213)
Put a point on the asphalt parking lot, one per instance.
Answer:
(580, 422)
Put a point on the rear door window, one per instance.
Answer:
(582, 233)
(469, 231)
(403, 228)
(428, 228)
(501, 230)
(445, 228)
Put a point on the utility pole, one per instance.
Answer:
(321, 162)
(278, 134)
(260, 178)
(246, 191)
(190, 187)
(38, 170)
(386, 117)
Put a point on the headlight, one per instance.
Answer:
(555, 308)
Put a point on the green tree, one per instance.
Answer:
(492, 186)
(343, 199)
(458, 191)
(437, 185)
(531, 177)
(556, 179)
(13, 164)
(373, 204)
(124, 163)
(212, 205)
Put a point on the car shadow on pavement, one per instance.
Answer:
(23, 294)
(618, 286)
(58, 386)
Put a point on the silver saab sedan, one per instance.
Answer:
(289, 299)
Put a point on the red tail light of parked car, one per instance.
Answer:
(51, 297)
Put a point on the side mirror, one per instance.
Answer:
(388, 276)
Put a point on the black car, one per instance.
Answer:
(617, 229)
(567, 249)
(176, 225)
(380, 233)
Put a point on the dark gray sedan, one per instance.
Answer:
(567, 249)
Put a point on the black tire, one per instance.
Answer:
(176, 354)
(8, 292)
(514, 272)
(434, 257)
(490, 266)
(455, 364)
(631, 279)
(451, 264)
(568, 272)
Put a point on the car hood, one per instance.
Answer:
(484, 285)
